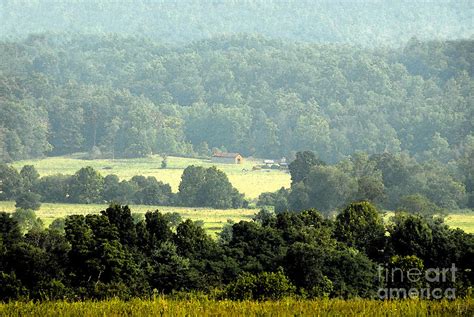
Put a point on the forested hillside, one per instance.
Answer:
(360, 22)
(118, 96)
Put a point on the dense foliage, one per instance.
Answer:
(113, 96)
(300, 254)
(208, 187)
(199, 186)
(394, 182)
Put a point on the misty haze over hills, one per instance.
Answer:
(366, 23)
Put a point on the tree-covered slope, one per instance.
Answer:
(129, 96)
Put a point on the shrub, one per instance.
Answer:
(262, 286)
(164, 162)
(11, 287)
(27, 220)
(418, 204)
(28, 200)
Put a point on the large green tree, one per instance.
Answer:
(86, 186)
(360, 226)
(208, 187)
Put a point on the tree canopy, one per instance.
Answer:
(112, 96)
(289, 254)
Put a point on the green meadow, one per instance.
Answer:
(464, 221)
(251, 183)
(214, 219)
(248, 181)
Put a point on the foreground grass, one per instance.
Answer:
(214, 219)
(287, 307)
(251, 183)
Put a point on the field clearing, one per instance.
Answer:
(251, 183)
(464, 219)
(203, 307)
(214, 219)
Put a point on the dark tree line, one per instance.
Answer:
(394, 182)
(299, 254)
(199, 187)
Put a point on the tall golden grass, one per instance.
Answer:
(202, 307)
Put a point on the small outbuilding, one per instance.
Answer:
(227, 158)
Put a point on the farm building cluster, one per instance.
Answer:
(276, 164)
(237, 158)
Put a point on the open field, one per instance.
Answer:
(251, 183)
(214, 219)
(463, 219)
(285, 307)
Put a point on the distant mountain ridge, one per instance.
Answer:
(366, 23)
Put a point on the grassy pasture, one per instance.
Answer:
(251, 183)
(463, 219)
(214, 219)
(203, 307)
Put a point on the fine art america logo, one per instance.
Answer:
(431, 283)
